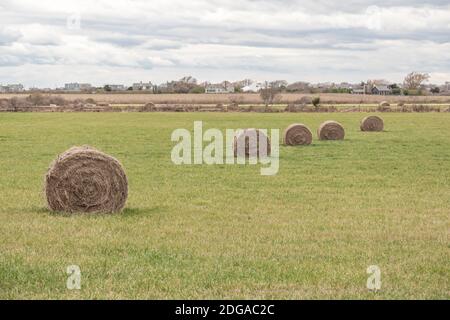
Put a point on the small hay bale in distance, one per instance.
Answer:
(251, 139)
(384, 104)
(372, 123)
(331, 130)
(83, 179)
(297, 134)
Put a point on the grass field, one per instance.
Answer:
(225, 231)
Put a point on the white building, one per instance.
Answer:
(219, 88)
(12, 88)
(242, 83)
(116, 87)
(142, 86)
(77, 86)
(254, 87)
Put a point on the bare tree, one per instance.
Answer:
(269, 95)
(414, 80)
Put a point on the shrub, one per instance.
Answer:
(36, 99)
(316, 102)
(197, 90)
(59, 101)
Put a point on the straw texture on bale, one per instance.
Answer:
(297, 134)
(251, 138)
(331, 130)
(372, 123)
(83, 179)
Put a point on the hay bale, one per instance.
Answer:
(83, 179)
(384, 104)
(297, 134)
(372, 123)
(246, 138)
(331, 130)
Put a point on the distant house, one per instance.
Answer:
(254, 87)
(242, 83)
(12, 88)
(381, 90)
(446, 87)
(220, 88)
(116, 87)
(77, 86)
(142, 86)
(164, 85)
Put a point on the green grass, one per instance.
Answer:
(226, 231)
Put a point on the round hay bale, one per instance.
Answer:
(250, 138)
(372, 123)
(384, 104)
(83, 179)
(331, 130)
(297, 134)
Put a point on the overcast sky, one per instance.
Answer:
(48, 43)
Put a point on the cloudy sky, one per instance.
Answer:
(48, 43)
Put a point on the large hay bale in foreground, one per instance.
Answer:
(247, 143)
(372, 123)
(331, 130)
(297, 134)
(83, 179)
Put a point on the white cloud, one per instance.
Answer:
(37, 34)
(314, 40)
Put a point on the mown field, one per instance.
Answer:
(241, 98)
(225, 231)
